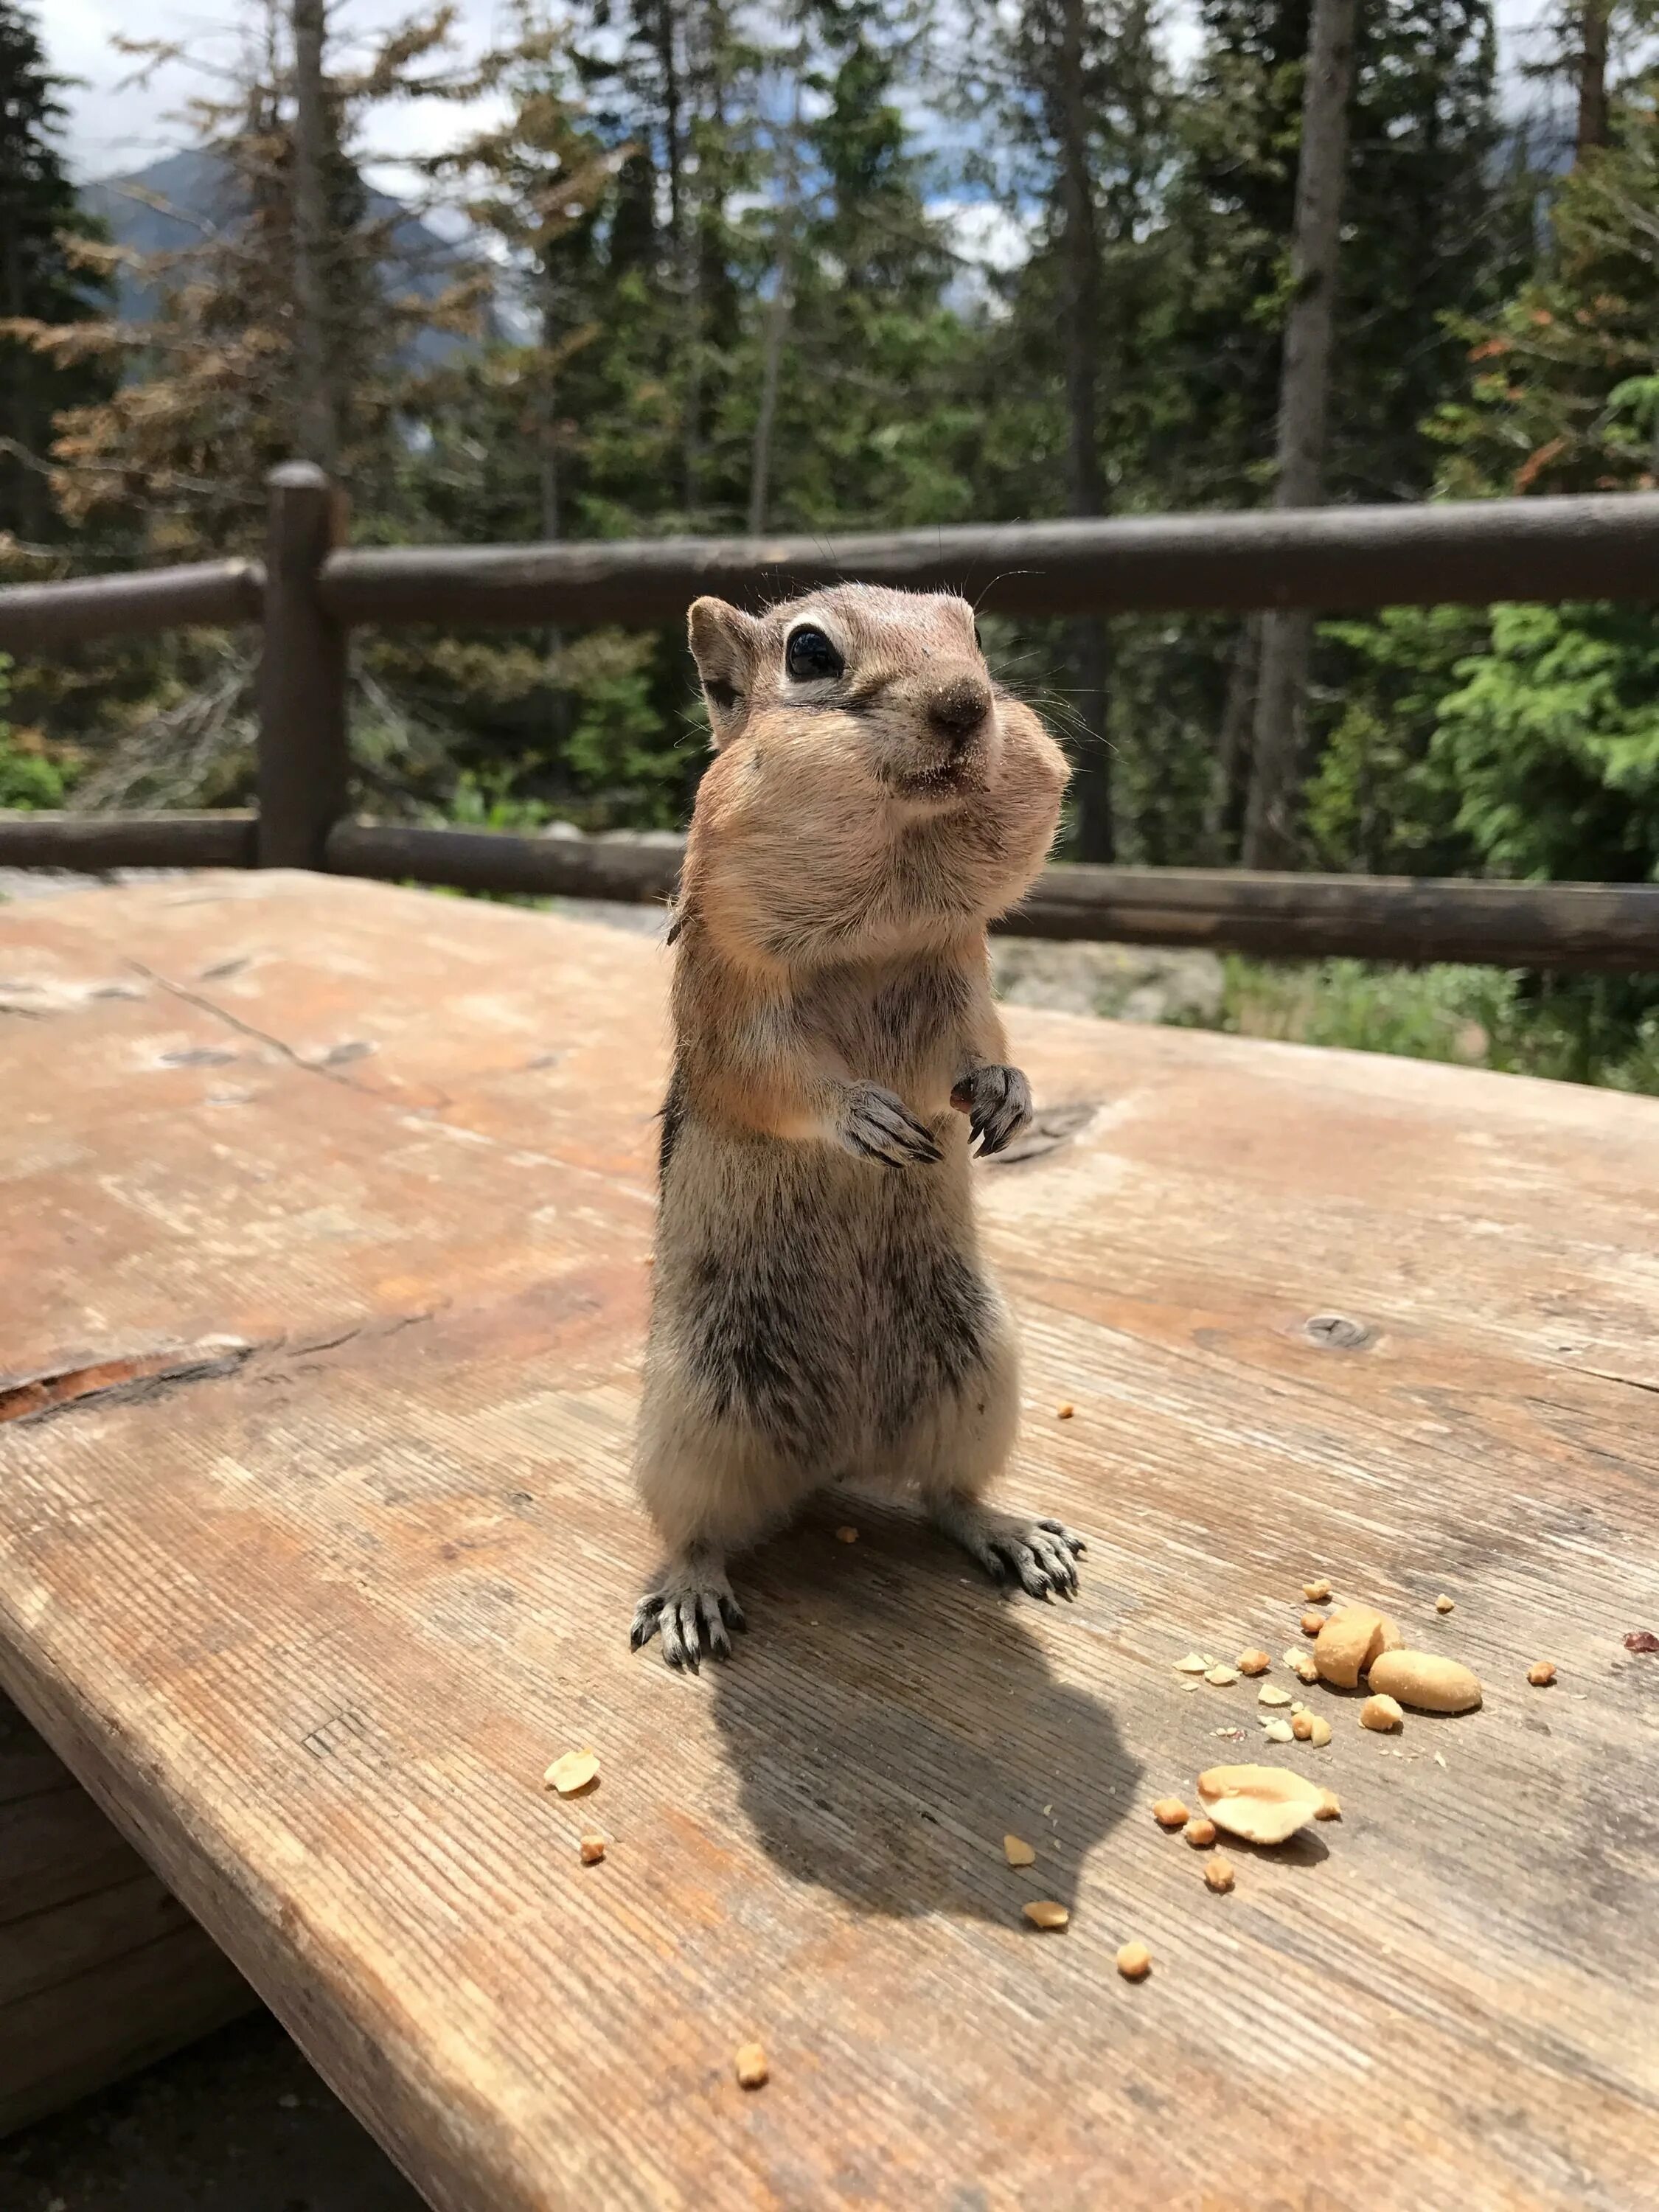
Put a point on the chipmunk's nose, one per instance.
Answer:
(958, 708)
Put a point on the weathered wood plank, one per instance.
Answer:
(40, 617)
(94, 842)
(1469, 552)
(102, 1970)
(377, 1569)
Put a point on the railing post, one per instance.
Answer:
(304, 763)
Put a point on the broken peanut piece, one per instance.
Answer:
(1316, 1592)
(1350, 1640)
(1270, 1694)
(1043, 1912)
(1301, 1664)
(1064, 1413)
(1329, 1806)
(1171, 1812)
(572, 1772)
(1381, 1714)
(1219, 1875)
(1279, 1732)
(1263, 1804)
(1221, 1676)
(1200, 1832)
(1444, 1604)
(1192, 1664)
(1311, 1623)
(1311, 1728)
(1542, 1674)
(752, 2069)
(1017, 1852)
(591, 1849)
(1425, 1679)
(1135, 1962)
(1254, 1662)
(848, 1534)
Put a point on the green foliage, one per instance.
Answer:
(28, 779)
(1602, 1030)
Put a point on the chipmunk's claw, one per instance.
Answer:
(694, 1605)
(997, 1101)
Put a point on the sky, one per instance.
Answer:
(114, 128)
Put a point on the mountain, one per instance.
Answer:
(165, 207)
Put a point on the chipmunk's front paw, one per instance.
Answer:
(997, 1101)
(877, 1126)
(692, 1601)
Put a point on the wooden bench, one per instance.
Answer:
(327, 1214)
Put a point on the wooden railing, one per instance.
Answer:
(312, 588)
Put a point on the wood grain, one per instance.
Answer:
(101, 1970)
(311, 1613)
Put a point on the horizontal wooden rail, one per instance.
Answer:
(1605, 927)
(1469, 552)
(218, 594)
(94, 843)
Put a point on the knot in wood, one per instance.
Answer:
(1339, 1332)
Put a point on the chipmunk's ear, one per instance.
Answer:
(725, 645)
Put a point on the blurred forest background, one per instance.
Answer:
(832, 264)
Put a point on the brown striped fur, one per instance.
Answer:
(820, 1309)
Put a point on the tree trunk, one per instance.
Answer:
(1592, 76)
(1232, 764)
(319, 425)
(1270, 837)
(1091, 642)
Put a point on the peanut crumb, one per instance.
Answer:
(1311, 1623)
(846, 1534)
(1171, 1812)
(752, 2069)
(1135, 1962)
(1017, 1852)
(1270, 1694)
(1381, 1713)
(1542, 1674)
(1219, 1875)
(1443, 1603)
(1254, 1662)
(1064, 1413)
(572, 1772)
(1043, 1912)
(1329, 1806)
(1200, 1832)
(591, 1849)
(1316, 1592)
(1221, 1676)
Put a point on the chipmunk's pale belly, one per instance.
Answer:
(821, 1304)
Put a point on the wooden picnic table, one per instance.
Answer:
(327, 1213)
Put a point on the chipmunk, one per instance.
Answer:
(820, 1310)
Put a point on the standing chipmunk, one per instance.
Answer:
(820, 1310)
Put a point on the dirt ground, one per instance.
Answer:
(238, 2123)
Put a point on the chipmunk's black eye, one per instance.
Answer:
(810, 657)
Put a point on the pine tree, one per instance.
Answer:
(50, 273)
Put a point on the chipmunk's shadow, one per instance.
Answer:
(893, 1718)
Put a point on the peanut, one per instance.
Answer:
(1254, 1662)
(1017, 1852)
(1043, 1912)
(1135, 1962)
(1171, 1812)
(1263, 1804)
(1219, 1875)
(1350, 1640)
(1542, 1674)
(1381, 1714)
(1316, 1592)
(572, 1772)
(752, 2069)
(1200, 1832)
(1422, 1679)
